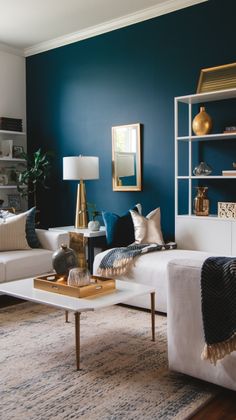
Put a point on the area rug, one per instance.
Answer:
(124, 375)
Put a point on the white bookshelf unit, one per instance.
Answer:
(210, 234)
(6, 163)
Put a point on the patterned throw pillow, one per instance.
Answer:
(12, 233)
(147, 229)
(119, 229)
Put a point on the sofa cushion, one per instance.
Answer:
(21, 264)
(147, 229)
(12, 233)
(31, 235)
(119, 229)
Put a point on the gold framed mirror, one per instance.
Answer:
(126, 157)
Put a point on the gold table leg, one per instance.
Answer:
(153, 315)
(66, 316)
(77, 339)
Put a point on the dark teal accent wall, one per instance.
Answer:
(76, 93)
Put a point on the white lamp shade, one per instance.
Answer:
(80, 167)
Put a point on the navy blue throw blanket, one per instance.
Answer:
(218, 291)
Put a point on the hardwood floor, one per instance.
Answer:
(223, 407)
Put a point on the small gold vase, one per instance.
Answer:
(201, 204)
(202, 123)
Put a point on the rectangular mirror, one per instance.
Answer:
(126, 158)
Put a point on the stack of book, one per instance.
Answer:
(10, 124)
(231, 172)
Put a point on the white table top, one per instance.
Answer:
(86, 232)
(124, 291)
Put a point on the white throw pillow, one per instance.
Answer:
(147, 229)
(12, 233)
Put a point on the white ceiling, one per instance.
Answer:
(30, 23)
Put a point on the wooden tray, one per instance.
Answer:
(58, 284)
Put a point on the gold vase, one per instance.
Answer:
(202, 123)
(201, 202)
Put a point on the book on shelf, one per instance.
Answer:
(231, 172)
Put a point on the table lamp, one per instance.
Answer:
(81, 168)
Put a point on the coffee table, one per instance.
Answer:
(124, 291)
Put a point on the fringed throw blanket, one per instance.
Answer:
(218, 288)
(118, 260)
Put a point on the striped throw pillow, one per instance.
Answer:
(12, 233)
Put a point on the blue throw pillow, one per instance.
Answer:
(119, 229)
(31, 235)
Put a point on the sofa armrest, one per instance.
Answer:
(185, 327)
(52, 240)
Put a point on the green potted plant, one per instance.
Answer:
(35, 175)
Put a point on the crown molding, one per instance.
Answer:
(145, 14)
(10, 50)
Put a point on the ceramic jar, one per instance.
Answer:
(202, 123)
(94, 225)
(64, 259)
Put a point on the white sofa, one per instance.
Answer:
(151, 269)
(16, 265)
(185, 328)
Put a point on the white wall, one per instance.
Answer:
(12, 86)
(12, 104)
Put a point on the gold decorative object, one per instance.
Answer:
(202, 123)
(78, 242)
(217, 78)
(227, 210)
(201, 202)
(56, 283)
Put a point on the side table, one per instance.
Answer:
(94, 239)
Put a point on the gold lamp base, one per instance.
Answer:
(81, 215)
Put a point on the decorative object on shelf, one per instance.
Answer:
(6, 149)
(10, 124)
(203, 169)
(226, 210)
(202, 123)
(3, 177)
(231, 129)
(231, 172)
(217, 78)
(18, 152)
(64, 259)
(81, 168)
(234, 165)
(14, 201)
(35, 175)
(78, 277)
(201, 202)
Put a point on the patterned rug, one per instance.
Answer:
(124, 374)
